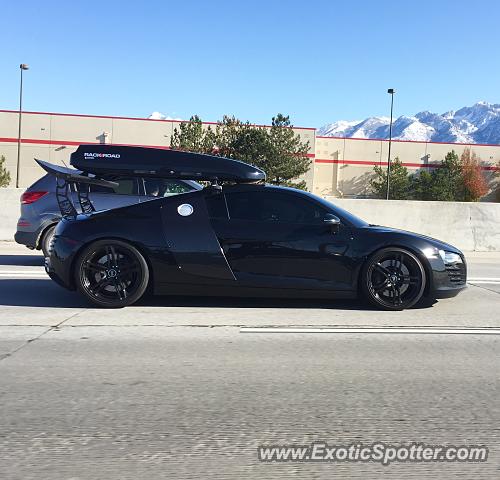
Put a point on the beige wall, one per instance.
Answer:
(341, 167)
(52, 137)
(344, 166)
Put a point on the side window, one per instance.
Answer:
(126, 186)
(243, 205)
(164, 187)
(216, 206)
(273, 207)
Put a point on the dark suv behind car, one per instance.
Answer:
(40, 211)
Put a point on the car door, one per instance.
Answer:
(273, 237)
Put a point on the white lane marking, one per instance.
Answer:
(384, 330)
(23, 275)
(27, 272)
(484, 282)
(475, 279)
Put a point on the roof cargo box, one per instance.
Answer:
(164, 163)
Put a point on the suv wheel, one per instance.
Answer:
(45, 240)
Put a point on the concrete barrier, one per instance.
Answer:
(469, 226)
(9, 212)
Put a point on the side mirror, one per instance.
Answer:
(331, 219)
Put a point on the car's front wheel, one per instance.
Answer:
(111, 274)
(393, 279)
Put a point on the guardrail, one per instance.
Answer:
(469, 226)
(9, 212)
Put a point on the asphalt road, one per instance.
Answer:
(173, 389)
(29, 297)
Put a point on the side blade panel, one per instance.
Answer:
(191, 238)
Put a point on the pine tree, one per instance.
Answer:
(399, 181)
(277, 150)
(287, 157)
(243, 141)
(4, 173)
(421, 185)
(192, 137)
(228, 134)
(446, 182)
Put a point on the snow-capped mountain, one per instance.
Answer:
(477, 124)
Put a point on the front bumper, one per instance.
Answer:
(449, 279)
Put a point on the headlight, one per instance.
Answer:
(431, 252)
(450, 257)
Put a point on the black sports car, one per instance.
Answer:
(238, 236)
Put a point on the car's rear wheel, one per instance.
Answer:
(45, 240)
(111, 274)
(393, 279)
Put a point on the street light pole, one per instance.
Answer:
(22, 67)
(391, 92)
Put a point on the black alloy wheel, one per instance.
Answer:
(111, 274)
(393, 279)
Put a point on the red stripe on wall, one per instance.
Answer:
(412, 141)
(406, 164)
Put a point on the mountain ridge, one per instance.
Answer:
(477, 124)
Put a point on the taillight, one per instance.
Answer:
(31, 197)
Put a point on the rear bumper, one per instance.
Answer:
(63, 280)
(59, 264)
(30, 239)
(31, 226)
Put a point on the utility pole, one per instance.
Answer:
(22, 67)
(391, 92)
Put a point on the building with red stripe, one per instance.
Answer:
(340, 166)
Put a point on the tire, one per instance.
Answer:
(111, 274)
(45, 240)
(393, 279)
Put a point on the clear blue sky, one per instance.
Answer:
(316, 61)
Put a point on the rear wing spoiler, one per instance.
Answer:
(65, 178)
(73, 176)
